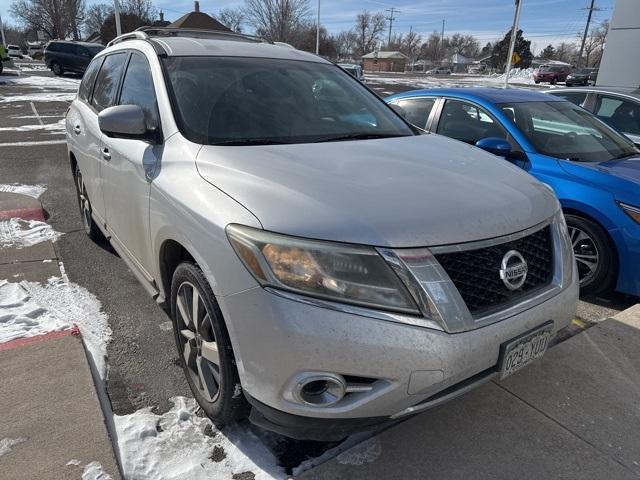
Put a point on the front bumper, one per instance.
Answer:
(277, 338)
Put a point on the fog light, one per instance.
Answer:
(320, 390)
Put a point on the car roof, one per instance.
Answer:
(75, 42)
(488, 94)
(226, 47)
(633, 92)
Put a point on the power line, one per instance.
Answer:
(586, 29)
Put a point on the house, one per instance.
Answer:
(385, 62)
(197, 19)
(458, 62)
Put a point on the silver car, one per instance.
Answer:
(326, 267)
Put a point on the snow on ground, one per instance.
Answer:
(18, 233)
(28, 309)
(6, 444)
(61, 83)
(39, 97)
(180, 444)
(51, 127)
(31, 67)
(31, 190)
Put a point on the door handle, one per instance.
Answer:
(105, 154)
(77, 130)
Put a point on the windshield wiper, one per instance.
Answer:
(359, 136)
(626, 154)
(251, 141)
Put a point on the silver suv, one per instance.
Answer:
(326, 267)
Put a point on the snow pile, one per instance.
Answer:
(19, 233)
(28, 309)
(517, 75)
(93, 471)
(180, 444)
(6, 444)
(31, 190)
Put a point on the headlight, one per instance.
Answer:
(633, 212)
(340, 272)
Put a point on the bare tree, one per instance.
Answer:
(466, 45)
(95, 17)
(368, 29)
(277, 20)
(57, 18)
(142, 9)
(430, 49)
(567, 52)
(594, 44)
(232, 18)
(346, 44)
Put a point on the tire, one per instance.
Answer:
(216, 387)
(554, 80)
(89, 225)
(537, 81)
(595, 254)
(1, 66)
(57, 69)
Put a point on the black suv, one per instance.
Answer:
(66, 56)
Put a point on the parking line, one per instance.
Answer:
(33, 144)
(35, 112)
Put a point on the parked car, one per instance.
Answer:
(618, 107)
(478, 68)
(439, 71)
(14, 51)
(70, 56)
(35, 51)
(551, 73)
(594, 170)
(319, 272)
(353, 70)
(584, 76)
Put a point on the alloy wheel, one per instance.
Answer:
(85, 210)
(586, 252)
(197, 343)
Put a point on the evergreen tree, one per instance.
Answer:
(548, 53)
(501, 50)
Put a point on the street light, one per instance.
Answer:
(512, 44)
(116, 11)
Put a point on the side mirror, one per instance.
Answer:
(398, 109)
(495, 145)
(125, 121)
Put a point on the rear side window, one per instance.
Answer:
(468, 123)
(106, 87)
(416, 110)
(578, 98)
(67, 48)
(53, 47)
(89, 78)
(621, 114)
(137, 89)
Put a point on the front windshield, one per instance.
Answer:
(241, 101)
(564, 130)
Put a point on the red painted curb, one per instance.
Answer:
(21, 342)
(24, 214)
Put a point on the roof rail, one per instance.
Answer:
(194, 33)
(135, 35)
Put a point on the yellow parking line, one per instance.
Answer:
(579, 323)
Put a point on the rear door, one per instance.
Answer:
(416, 110)
(621, 113)
(128, 174)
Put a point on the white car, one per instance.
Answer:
(439, 71)
(14, 51)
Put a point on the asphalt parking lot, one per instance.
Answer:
(143, 363)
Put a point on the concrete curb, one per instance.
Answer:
(17, 205)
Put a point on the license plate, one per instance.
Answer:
(523, 350)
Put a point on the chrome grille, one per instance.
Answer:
(475, 273)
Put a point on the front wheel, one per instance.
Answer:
(204, 346)
(554, 80)
(57, 69)
(594, 253)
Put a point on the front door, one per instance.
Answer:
(128, 173)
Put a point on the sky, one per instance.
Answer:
(543, 21)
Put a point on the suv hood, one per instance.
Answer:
(399, 192)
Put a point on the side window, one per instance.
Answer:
(104, 94)
(53, 47)
(577, 98)
(67, 48)
(137, 89)
(620, 114)
(468, 123)
(89, 78)
(417, 110)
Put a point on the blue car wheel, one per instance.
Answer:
(594, 252)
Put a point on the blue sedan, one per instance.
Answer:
(594, 171)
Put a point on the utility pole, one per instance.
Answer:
(586, 30)
(442, 43)
(4, 40)
(512, 44)
(318, 31)
(116, 10)
(391, 18)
